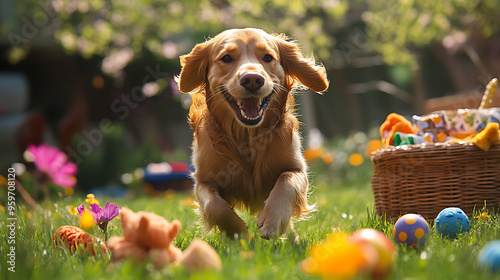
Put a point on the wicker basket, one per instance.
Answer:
(427, 178)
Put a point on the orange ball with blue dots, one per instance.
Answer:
(411, 230)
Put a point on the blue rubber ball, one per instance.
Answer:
(489, 256)
(451, 221)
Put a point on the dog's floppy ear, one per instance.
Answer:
(194, 68)
(297, 67)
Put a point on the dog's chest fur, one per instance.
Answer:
(244, 167)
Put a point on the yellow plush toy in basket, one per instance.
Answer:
(451, 159)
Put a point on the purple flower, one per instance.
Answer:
(101, 215)
(105, 215)
(80, 209)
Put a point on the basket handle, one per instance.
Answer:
(488, 95)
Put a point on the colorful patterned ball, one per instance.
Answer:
(451, 221)
(383, 259)
(411, 230)
(489, 256)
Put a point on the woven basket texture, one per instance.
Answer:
(427, 178)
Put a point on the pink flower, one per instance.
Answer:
(54, 163)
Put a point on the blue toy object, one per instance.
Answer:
(164, 176)
(451, 221)
(411, 230)
(489, 256)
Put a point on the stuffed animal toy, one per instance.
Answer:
(147, 235)
(394, 123)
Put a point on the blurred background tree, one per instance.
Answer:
(89, 60)
(461, 35)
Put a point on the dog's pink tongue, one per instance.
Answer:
(251, 106)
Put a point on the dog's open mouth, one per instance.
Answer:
(250, 109)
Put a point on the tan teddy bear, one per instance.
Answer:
(147, 235)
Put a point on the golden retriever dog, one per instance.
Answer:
(247, 148)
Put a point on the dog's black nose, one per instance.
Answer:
(252, 81)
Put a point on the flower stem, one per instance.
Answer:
(27, 197)
(104, 227)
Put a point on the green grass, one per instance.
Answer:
(346, 204)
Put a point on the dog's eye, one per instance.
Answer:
(268, 58)
(227, 58)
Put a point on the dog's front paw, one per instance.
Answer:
(273, 222)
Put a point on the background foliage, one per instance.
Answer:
(381, 56)
(396, 29)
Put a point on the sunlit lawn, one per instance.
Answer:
(346, 204)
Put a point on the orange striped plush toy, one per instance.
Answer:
(73, 237)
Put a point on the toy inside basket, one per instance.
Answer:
(426, 177)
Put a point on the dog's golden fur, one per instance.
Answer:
(256, 166)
